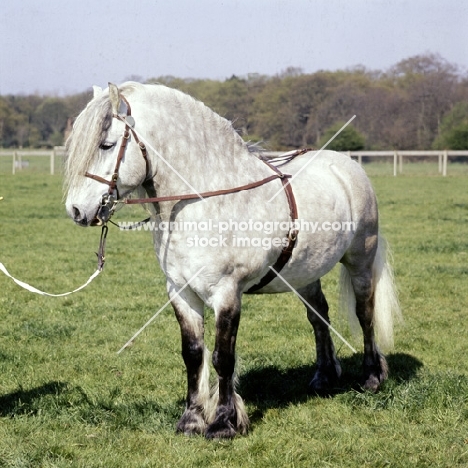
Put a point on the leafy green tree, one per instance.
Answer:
(271, 113)
(429, 83)
(50, 118)
(34, 138)
(413, 105)
(454, 129)
(20, 122)
(4, 117)
(231, 100)
(349, 139)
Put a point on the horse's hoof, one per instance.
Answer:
(224, 424)
(191, 423)
(323, 383)
(375, 375)
(371, 384)
(220, 430)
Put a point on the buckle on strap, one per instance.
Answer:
(292, 235)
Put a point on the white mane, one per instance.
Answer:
(174, 108)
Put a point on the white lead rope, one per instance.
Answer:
(32, 289)
(101, 260)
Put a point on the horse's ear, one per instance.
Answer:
(97, 91)
(114, 97)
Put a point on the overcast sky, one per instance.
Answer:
(62, 46)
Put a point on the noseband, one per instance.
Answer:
(110, 200)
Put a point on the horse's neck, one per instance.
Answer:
(202, 154)
(218, 175)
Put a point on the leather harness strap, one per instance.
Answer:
(285, 254)
(191, 196)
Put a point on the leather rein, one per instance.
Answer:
(110, 200)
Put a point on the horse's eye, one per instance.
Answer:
(106, 146)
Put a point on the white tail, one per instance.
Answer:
(386, 305)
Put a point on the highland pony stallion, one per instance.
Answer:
(194, 168)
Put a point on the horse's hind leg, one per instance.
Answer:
(328, 367)
(189, 312)
(360, 269)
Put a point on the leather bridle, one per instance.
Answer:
(110, 200)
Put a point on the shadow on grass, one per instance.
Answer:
(23, 401)
(60, 399)
(272, 387)
(264, 387)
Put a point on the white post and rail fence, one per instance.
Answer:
(441, 155)
(398, 156)
(20, 157)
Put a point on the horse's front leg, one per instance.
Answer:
(189, 312)
(230, 416)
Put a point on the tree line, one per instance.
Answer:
(419, 103)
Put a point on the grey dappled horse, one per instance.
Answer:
(169, 144)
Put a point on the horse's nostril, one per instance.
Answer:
(79, 217)
(76, 214)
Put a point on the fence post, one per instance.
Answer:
(52, 161)
(395, 160)
(400, 162)
(13, 171)
(444, 164)
(440, 163)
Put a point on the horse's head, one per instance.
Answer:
(104, 160)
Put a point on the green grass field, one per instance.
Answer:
(68, 400)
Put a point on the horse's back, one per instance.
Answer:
(336, 206)
(332, 183)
